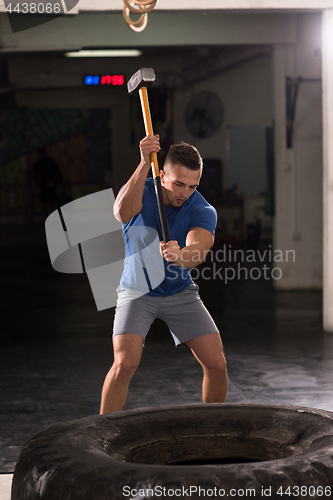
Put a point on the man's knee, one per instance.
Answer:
(217, 367)
(124, 369)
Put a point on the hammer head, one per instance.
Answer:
(142, 78)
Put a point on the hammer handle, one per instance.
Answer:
(154, 164)
(149, 127)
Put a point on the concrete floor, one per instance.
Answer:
(56, 348)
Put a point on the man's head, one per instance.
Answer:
(181, 173)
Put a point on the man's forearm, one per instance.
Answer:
(192, 255)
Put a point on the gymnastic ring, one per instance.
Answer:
(130, 6)
(141, 27)
(242, 447)
(129, 20)
(139, 24)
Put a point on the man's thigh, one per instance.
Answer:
(134, 315)
(208, 350)
(128, 347)
(186, 316)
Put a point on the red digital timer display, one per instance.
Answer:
(104, 80)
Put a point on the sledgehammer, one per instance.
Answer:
(141, 81)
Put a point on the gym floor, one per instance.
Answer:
(56, 347)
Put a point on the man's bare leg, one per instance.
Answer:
(208, 350)
(127, 354)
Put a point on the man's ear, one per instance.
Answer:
(162, 175)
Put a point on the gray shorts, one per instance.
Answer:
(183, 312)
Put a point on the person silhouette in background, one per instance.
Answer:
(48, 179)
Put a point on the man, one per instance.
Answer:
(176, 301)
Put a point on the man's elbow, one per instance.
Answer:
(122, 215)
(116, 212)
(205, 252)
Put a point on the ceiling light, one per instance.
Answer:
(105, 53)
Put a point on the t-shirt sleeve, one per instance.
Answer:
(148, 191)
(206, 218)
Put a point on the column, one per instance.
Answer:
(327, 69)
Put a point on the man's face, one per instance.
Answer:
(179, 183)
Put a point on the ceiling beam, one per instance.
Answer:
(169, 29)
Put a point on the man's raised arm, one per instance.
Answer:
(129, 199)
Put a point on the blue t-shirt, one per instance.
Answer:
(144, 268)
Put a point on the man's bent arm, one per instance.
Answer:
(129, 199)
(198, 243)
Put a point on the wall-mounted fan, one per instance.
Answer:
(204, 114)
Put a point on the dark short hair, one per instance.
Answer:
(184, 154)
